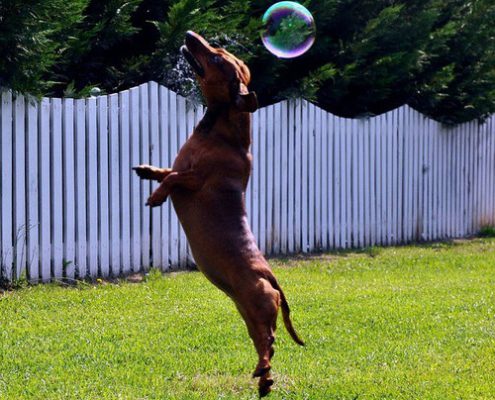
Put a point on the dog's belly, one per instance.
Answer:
(218, 232)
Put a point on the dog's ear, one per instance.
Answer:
(244, 100)
(247, 102)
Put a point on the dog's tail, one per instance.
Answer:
(285, 311)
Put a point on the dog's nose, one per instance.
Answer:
(191, 38)
(190, 34)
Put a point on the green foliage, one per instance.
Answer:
(97, 49)
(34, 36)
(457, 78)
(413, 322)
(166, 65)
(487, 231)
(309, 86)
(370, 56)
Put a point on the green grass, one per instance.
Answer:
(414, 322)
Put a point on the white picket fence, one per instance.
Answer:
(71, 206)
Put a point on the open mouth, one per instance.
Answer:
(195, 65)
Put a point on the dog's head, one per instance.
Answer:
(223, 77)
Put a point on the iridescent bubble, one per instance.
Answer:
(288, 29)
(95, 91)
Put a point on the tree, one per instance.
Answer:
(370, 56)
(98, 49)
(33, 37)
(456, 81)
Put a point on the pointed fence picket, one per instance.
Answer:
(71, 207)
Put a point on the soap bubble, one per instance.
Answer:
(95, 91)
(288, 29)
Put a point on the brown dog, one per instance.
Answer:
(207, 186)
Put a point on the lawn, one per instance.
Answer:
(414, 322)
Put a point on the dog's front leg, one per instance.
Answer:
(152, 173)
(189, 180)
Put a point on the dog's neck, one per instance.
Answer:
(228, 123)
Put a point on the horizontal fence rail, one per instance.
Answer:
(71, 207)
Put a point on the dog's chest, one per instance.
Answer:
(210, 157)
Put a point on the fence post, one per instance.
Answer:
(318, 181)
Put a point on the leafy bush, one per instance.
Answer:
(370, 56)
(487, 231)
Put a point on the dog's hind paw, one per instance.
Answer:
(265, 387)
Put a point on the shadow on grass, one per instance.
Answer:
(79, 283)
(374, 251)
(371, 251)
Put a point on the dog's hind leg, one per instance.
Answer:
(263, 337)
(263, 342)
(259, 309)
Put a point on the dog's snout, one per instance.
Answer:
(190, 36)
(194, 41)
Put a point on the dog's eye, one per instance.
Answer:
(217, 59)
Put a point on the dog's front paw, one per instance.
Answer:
(145, 171)
(156, 199)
